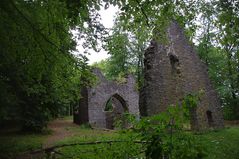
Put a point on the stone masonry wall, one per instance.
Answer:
(97, 97)
(174, 70)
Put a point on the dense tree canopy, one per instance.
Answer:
(39, 76)
(218, 47)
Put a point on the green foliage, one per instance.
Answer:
(213, 24)
(218, 47)
(125, 149)
(159, 136)
(136, 24)
(109, 105)
(125, 121)
(221, 144)
(126, 49)
(107, 151)
(39, 77)
(15, 143)
(228, 23)
(216, 144)
(106, 66)
(165, 135)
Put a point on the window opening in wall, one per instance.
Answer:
(174, 61)
(209, 118)
(114, 110)
(109, 105)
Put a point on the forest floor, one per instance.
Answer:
(220, 144)
(60, 130)
(15, 144)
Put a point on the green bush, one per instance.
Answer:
(165, 135)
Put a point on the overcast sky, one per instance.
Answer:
(107, 17)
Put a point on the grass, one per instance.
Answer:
(222, 144)
(14, 143)
(67, 118)
(95, 151)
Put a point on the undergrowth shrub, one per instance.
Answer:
(165, 136)
(162, 136)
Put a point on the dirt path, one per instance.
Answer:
(60, 130)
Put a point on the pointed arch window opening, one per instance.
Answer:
(114, 109)
(110, 103)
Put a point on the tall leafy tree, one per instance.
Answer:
(39, 77)
(218, 48)
(228, 24)
(126, 49)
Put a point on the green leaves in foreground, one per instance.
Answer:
(165, 133)
(162, 136)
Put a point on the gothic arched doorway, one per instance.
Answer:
(114, 110)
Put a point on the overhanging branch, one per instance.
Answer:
(143, 12)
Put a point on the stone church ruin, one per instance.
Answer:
(105, 102)
(172, 71)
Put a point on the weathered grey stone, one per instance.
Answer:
(92, 104)
(174, 70)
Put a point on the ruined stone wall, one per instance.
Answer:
(174, 70)
(98, 95)
(81, 115)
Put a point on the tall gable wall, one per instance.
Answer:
(174, 70)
